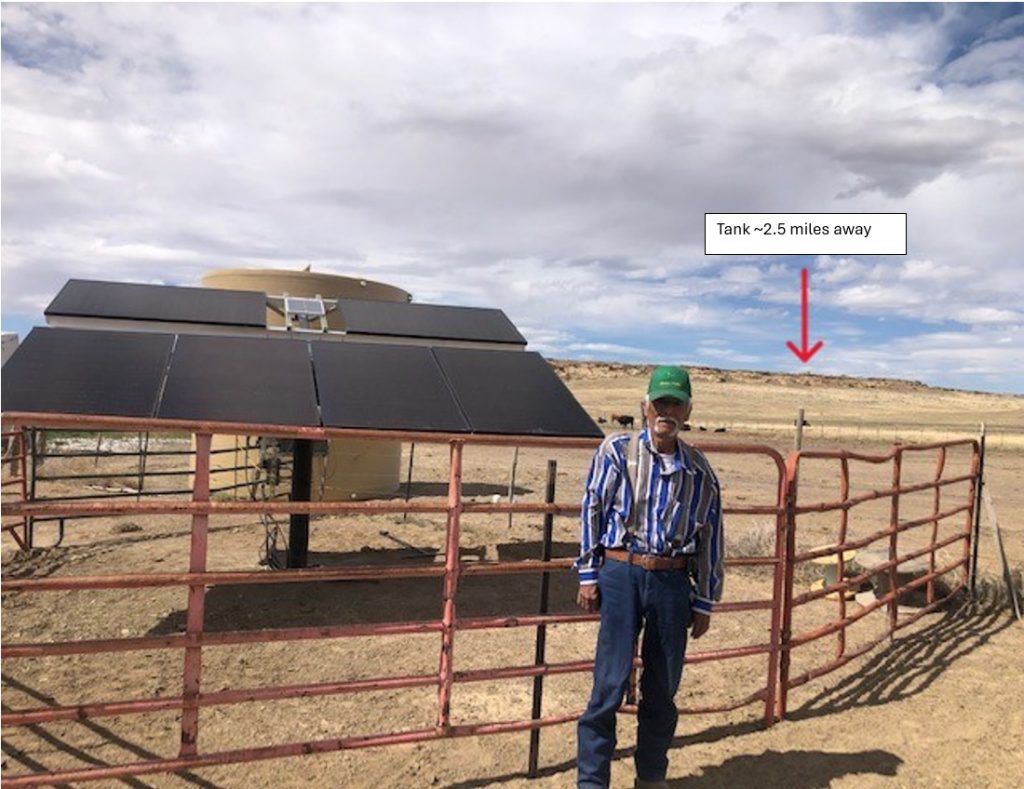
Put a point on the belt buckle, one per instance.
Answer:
(649, 562)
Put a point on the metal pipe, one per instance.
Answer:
(894, 526)
(451, 581)
(978, 487)
(844, 516)
(196, 602)
(940, 464)
(542, 608)
(879, 494)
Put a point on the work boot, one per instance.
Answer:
(642, 784)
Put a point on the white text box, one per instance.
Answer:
(805, 234)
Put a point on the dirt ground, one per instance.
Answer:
(941, 705)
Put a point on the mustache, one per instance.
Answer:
(674, 422)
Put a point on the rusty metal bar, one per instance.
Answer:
(875, 536)
(836, 454)
(830, 628)
(976, 525)
(973, 520)
(855, 581)
(879, 494)
(771, 694)
(940, 464)
(184, 507)
(133, 424)
(218, 639)
(814, 673)
(451, 583)
(844, 518)
(196, 601)
(241, 695)
(786, 633)
(894, 525)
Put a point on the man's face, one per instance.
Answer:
(666, 415)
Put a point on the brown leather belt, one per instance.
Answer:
(647, 561)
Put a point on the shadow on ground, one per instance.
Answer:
(906, 668)
(261, 606)
(913, 662)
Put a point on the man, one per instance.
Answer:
(636, 550)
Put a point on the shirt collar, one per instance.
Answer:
(681, 458)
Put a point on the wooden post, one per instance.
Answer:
(408, 479)
(538, 656)
(798, 438)
(512, 483)
(997, 535)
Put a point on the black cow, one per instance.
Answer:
(623, 420)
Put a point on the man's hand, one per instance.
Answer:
(588, 598)
(699, 624)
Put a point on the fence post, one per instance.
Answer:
(792, 465)
(778, 585)
(512, 482)
(196, 602)
(451, 579)
(936, 509)
(408, 479)
(894, 522)
(974, 524)
(538, 655)
(844, 522)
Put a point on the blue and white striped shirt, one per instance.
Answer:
(679, 512)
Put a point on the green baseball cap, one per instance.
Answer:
(669, 381)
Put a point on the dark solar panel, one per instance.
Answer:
(392, 387)
(429, 321)
(240, 379)
(67, 371)
(514, 393)
(127, 301)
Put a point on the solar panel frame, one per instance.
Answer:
(384, 387)
(161, 303)
(79, 371)
(513, 393)
(250, 380)
(428, 321)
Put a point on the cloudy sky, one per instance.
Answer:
(553, 161)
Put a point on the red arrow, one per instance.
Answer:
(804, 354)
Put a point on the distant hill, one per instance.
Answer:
(572, 369)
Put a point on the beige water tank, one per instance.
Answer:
(349, 469)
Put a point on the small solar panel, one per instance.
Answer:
(240, 379)
(513, 393)
(391, 387)
(429, 321)
(71, 371)
(295, 305)
(128, 301)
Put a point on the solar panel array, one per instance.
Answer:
(289, 381)
(81, 298)
(247, 310)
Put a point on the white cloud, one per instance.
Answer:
(554, 161)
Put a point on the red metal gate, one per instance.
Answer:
(782, 507)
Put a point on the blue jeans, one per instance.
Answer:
(630, 597)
